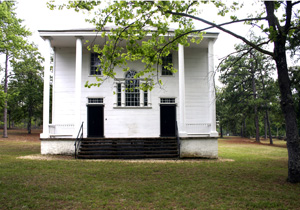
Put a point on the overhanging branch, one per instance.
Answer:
(213, 25)
(296, 2)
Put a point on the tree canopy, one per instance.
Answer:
(26, 86)
(13, 42)
(246, 102)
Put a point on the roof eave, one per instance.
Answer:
(94, 32)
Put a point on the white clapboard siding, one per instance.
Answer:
(63, 94)
(196, 85)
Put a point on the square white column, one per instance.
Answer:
(211, 89)
(181, 102)
(78, 72)
(46, 99)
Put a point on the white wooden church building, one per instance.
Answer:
(109, 111)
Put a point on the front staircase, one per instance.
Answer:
(137, 148)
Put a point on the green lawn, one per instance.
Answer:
(255, 179)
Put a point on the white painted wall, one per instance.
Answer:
(127, 122)
(196, 85)
(64, 76)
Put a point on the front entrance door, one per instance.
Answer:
(95, 121)
(167, 120)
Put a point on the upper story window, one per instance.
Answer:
(129, 93)
(95, 64)
(132, 91)
(165, 62)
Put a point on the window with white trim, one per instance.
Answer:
(132, 89)
(167, 100)
(95, 100)
(95, 64)
(166, 61)
(129, 93)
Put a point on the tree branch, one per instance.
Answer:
(288, 12)
(236, 60)
(193, 2)
(225, 30)
(296, 2)
(204, 29)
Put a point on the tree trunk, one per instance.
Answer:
(245, 128)
(256, 122)
(299, 114)
(5, 97)
(241, 134)
(9, 119)
(269, 126)
(287, 106)
(267, 119)
(29, 120)
(221, 130)
(29, 126)
(266, 126)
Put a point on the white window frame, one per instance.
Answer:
(163, 64)
(95, 97)
(167, 100)
(120, 98)
(99, 72)
(132, 91)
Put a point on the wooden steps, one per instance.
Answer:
(137, 148)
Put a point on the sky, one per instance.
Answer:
(37, 16)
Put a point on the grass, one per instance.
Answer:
(254, 180)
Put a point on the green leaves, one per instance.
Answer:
(12, 33)
(141, 32)
(26, 85)
(248, 85)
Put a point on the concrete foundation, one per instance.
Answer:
(199, 147)
(57, 147)
(190, 147)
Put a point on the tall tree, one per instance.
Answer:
(12, 35)
(295, 79)
(26, 84)
(252, 70)
(136, 19)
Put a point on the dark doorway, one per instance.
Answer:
(167, 120)
(95, 121)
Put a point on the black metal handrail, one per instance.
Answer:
(78, 140)
(178, 140)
